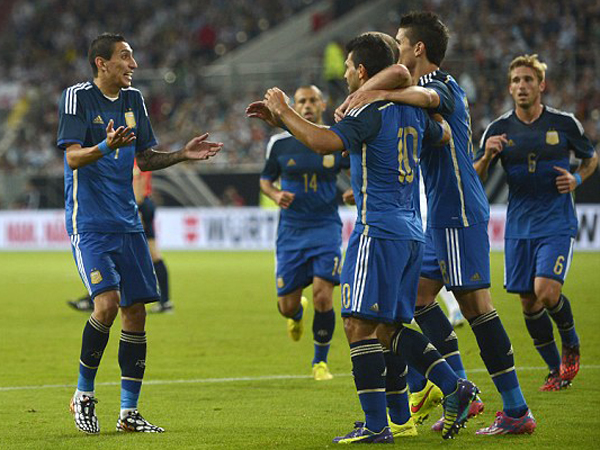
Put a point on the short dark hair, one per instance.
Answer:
(372, 52)
(103, 46)
(427, 27)
(389, 40)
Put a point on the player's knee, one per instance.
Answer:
(358, 330)
(474, 303)
(134, 317)
(322, 300)
(106, 308)
(548, 293)
(287, 308)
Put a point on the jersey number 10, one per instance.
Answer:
(407, 174)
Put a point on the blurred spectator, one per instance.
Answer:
(231, 197)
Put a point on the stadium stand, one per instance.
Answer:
(180, 46)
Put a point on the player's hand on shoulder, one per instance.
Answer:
(494, 145)
(121, 137)
(566, 181)
(348, 197)
(200, 149)
(359, 99)
(284, 199)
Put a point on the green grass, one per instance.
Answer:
(225, 327)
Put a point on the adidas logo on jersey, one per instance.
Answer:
(98, 120)
(291, 162)
(375, 307)
(510, 143)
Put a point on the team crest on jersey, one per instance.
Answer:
(95, 277)
(328, 161)
(291, 162)
(280, 283)
(98, 120)
(130, 119)
(552, 137)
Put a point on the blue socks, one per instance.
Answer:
(323, 326)
(396, 391)
(421, 355)
(132, 360)
(368, 367)
(497, 354)
(563, 317)
(539, 326)
(94, 340)
(438, 329)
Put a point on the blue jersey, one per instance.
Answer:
(384, 140)
(99, 196)
(312, 179)
(455, 195)
(535, 207)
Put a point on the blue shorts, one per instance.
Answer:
(526, 259)
(458, 257)
(147, 209)
(297, 268)
(116, 261)
(380, 279)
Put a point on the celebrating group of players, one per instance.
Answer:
(405, 118)
(392, 272)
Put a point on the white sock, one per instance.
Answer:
(126, 411)
(79, 393)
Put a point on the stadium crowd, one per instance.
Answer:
(183, 37)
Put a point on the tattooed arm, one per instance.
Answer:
(197, 149)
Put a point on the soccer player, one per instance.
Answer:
(142, 189)
(380, 275)
(309, 233)
(103, 126)
(457, 245)
(533, 143)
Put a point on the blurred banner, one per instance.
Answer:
(241, 228)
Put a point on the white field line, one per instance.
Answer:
(236, 379)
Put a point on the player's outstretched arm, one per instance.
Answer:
(197, 149)
(318, 138)
(283, 198)
(78, 156)
(567, 182)
(493, 147)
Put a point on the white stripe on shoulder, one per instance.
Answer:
(571, 115)
(356, 111)
(275, 138)
(71, 96)
(141, 97)
(506, 115)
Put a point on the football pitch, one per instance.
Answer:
(222, 373)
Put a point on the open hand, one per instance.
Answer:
(200, 149)
(121, 137)
(259, 110)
